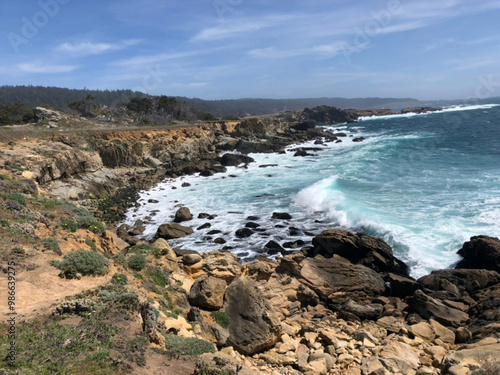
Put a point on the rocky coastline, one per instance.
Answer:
(344, 305)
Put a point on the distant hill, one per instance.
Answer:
(60, 98)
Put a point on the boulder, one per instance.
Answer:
(401, 286)
(170, 231)
(235, 159)
(480, 252)
(207, 293)
(336, 280)
(281, 216)
(428, 307)
(243, 233)
(183, 214)
(45, 114)
(463, 280)
(253, 325)
(372, 252)
(370, 311)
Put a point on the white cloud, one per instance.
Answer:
(50, 69)
(90, 48)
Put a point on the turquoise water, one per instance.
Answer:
(424, 183)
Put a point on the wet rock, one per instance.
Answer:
(281, 216)
(235, 159)
(252, 225)
(204, 226)
(220, 241)
(183, 214)
(243, 233)
(358, 139)
(170, 231)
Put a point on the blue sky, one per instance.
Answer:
(216, 49)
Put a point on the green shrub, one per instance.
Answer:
(160, 252)
(188, 345)
(51, 244)
(83, 262)
(120, 297)
(97, 227)
(141, 249)
(48, 204)
(18, 250)
(156, 276)
(121, 260)
(221, 318)
(3, 177)
(69, 225)
(136, 262)
(204, 369)
(91, 244)
(119, 279)
(19, 198)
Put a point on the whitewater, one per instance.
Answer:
(425, 183)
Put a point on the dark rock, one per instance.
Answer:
(252, 225)
(137, 229)
(481, 252)
(220, 240)
(254, 326)
(402, 286)
(214, 231)
(148, 316)
(153, 201)
(306, 125)
(203, 215)
(172, 230)
(267, 165)
(281, 216)
(183, 214)
(358, 139)
(359, 249)
(206, 173)
(186, 184)
(235, 159)
(363, 312)
(194, 315)
(253, 218)
(459, 280)
(273, 248)
(204, 226)
(301, 153)
(207, 293)
(462, 335)
(244, 232)
(428, 307)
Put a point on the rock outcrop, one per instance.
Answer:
(253, 325)
(359, 249)
(481, 252)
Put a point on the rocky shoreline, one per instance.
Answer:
(344, 305)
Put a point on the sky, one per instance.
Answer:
(228, 49)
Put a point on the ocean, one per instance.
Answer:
(425, 183)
